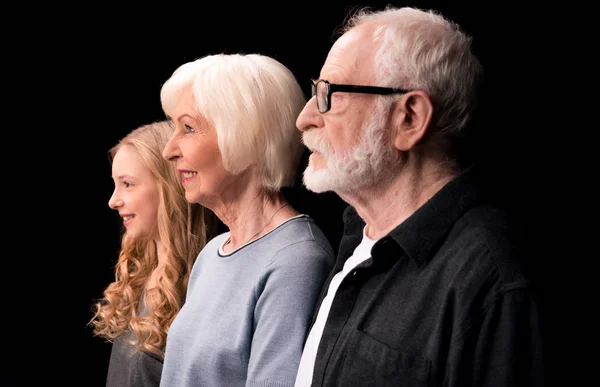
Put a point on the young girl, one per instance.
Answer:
(163, 235)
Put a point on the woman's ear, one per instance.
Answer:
(411, 116)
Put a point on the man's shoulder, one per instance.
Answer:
(486, 243)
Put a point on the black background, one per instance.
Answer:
(93, 74)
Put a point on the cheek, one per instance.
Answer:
(336, 139)
(213, 174)
(208, 162)
(150, 207)
(348, 135)
(204, 158)
(152, 218)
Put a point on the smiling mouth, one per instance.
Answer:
(187, 176)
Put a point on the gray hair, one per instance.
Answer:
(252, 101)
(423, 50)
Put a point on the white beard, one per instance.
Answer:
(366, 165)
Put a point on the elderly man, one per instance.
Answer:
(428, 289)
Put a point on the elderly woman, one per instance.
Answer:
(253, 289)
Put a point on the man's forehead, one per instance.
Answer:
(351, 57)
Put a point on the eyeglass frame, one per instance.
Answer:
(335, 87)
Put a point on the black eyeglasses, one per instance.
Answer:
(323, 90)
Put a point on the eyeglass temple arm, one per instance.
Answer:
(366, 89)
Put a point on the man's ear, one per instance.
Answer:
(411, 116)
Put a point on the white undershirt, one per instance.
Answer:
(309, 354)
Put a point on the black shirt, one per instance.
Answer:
(443, 301)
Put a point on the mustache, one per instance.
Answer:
(316, 143)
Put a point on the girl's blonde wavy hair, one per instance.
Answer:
(183, 229)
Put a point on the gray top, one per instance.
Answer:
(127, 369)
(247, 313)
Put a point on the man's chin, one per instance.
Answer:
(317, 181)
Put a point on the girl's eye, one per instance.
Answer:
(127, 184)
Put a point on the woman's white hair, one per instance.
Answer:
(252, 101)
(422, 50)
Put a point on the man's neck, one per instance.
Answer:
(384, 208)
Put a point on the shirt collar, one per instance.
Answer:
(424, 230)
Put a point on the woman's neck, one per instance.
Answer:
(254, 216)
